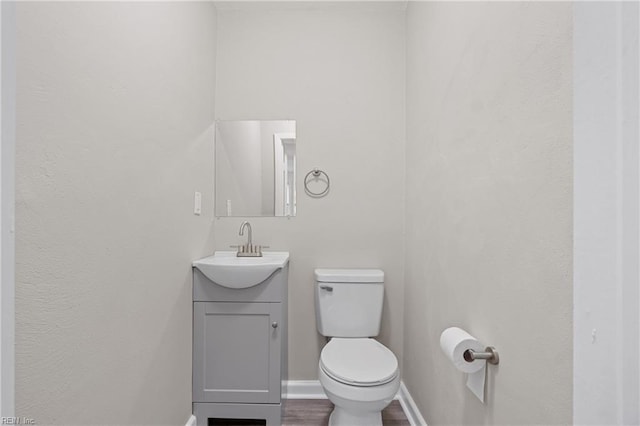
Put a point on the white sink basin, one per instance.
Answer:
(226, 269)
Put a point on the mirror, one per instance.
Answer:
(255, 168)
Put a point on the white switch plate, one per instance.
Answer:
(197, 203)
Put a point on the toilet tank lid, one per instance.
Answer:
(349, 275)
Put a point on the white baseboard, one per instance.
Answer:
(409, 406)
(192, 421)
(311, 389)
(303, 389)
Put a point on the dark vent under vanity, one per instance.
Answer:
(236, 422)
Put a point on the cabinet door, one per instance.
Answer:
(236, 352)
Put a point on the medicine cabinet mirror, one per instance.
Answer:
(255, 168)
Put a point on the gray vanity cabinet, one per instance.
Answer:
(239, 349)
(236, 346)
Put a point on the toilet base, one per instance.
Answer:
(340, 416)
(357, 406)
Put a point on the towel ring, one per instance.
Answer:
(316, 174)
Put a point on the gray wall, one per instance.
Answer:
(338, 70)
(114, 135)
(489, 206)
(7, 211)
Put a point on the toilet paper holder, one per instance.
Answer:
(490, 354)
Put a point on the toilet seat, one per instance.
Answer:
(358, 362)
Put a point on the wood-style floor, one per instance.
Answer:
(315, 412)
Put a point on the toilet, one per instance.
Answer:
(358, 374)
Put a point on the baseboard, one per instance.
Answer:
(311, 389)
(307, 389)
(192, 421)
(303, 389)
(409, 406)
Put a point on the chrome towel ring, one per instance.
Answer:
(317, 175)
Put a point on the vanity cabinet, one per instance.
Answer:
(239, 349)
(236, 346)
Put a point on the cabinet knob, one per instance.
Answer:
(274, 324)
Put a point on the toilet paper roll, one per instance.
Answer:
(454, 341)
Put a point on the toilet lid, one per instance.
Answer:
(360, 362)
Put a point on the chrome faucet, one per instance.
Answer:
(248, 249)
(247, 225)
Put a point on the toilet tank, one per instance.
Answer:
(349, 302)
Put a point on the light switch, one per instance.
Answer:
(197, 203)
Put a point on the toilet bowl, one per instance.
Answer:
(361, 377)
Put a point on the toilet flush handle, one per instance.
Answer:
(326, 287)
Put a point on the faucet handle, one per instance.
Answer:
(239, 247)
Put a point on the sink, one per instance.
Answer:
(227, 270)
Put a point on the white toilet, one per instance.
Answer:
(358, 374)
